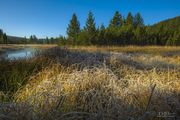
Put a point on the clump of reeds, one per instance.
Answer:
(98, 93)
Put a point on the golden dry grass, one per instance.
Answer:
(131, 49)
(100, 85)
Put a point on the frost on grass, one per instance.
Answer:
(111, 90)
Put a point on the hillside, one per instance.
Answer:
(166, 32)
(15, 39)
(172, 24)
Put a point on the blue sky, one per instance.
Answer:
(51, 17)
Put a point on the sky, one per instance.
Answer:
(51, 17)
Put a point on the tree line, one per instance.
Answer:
(129, 30)
(3, 37)
(122, 31)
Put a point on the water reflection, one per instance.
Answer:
(19, 54)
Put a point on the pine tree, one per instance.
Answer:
(61, 40)
(101, 35)
(1, 32)
(138, 20)
(117, 20)
(47, 40)
(176, 38)
(129, 19)
(5, 38)
(73, 29)
(90, 28)
(139, 34)
(112, 32)
(83, 38)
(169, 42)
(33, 39)
(1, 36)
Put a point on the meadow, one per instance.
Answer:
(92, 83)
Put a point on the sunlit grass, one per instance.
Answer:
(163, 50)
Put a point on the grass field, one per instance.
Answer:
(92, 83)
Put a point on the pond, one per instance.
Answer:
(18, 54)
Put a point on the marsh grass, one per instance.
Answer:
(15, 73)
(84, 84)
(158, 50)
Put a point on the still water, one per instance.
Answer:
(19, 54)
